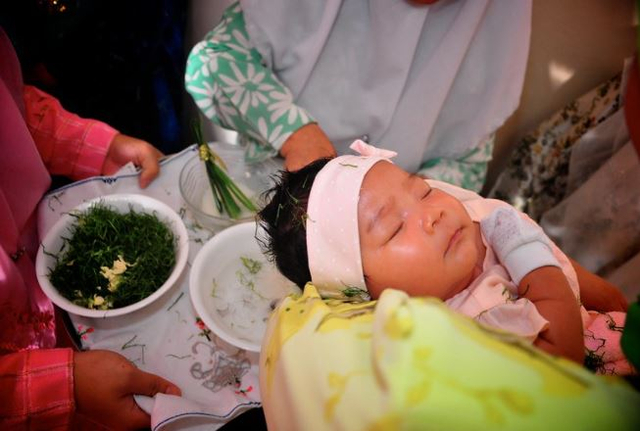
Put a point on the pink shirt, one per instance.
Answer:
(492, 297)
(36, 133)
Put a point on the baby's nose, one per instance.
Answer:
(431, 217)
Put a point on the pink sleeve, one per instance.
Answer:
(38, 386)
(69, 145)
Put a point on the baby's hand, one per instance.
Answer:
(520, 246)
(104, 385)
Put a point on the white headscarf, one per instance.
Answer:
(389, 69)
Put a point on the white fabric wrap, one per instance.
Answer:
(333, 241)
(425, 81)
(520, 246)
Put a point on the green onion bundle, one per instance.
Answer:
(227, 196)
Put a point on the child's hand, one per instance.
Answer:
(124, 149)
(104, 386)
(520, 246)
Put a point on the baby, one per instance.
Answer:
(356, 225)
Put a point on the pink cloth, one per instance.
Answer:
(26, 314)
(332, 224)
(602, 340)
(492, 298)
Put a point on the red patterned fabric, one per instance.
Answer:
(69, 145)
(37, 388)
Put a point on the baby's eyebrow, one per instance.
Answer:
(412, 178)
(410, 182)
(379, 213)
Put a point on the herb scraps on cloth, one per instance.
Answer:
(113, 259)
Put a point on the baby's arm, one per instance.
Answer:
(525, 251)
(597, 293)
(547, 287)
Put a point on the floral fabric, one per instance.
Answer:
(229, 82)
(535, 179)
(468, 172)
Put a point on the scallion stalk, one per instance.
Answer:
(227, 196)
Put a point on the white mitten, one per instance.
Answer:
(521, 246)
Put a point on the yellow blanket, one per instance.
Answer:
(411, 363)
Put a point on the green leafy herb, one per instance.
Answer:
(227, 196)
(247, 278)
(351, 292)
(113, 260)
(252, 265)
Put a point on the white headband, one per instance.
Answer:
(333, 242)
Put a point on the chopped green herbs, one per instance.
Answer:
(252, 265)
(351, 292)
(247, 278)
(113, 260)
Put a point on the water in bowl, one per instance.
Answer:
(208, 206)
(244, 294)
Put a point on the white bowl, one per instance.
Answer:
(221, 292)
(53, 243)
(253, 179)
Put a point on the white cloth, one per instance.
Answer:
(425, 81)
(218, 381)
(520, 246)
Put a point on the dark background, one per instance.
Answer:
(118, 61)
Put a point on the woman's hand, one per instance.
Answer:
(104, 384)
(305, 145)
(124, 149)
(597, 293)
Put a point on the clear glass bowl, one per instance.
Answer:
(254, 179)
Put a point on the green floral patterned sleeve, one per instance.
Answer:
(469, 171)
(228, 81)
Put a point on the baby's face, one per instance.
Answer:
(414, 238)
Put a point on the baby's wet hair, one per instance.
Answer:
(284, 220)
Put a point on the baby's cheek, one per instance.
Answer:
(467, 256)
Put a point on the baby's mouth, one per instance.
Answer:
(454, 239)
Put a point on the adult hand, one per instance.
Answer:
(125, 149)
(104, 384)
(305, 145)
(597, 293)
(521, 246)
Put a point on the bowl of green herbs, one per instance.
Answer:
(112, 255)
